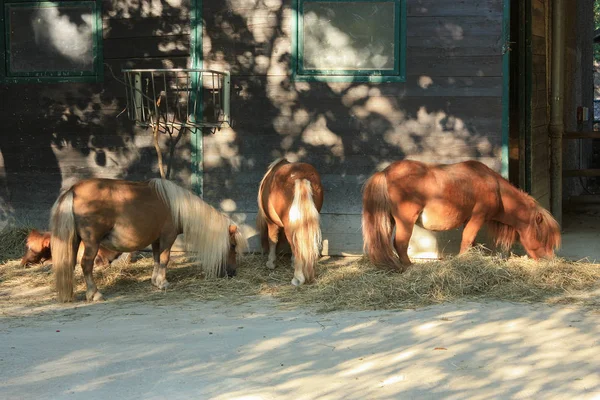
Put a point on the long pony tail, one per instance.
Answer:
(377, 222)
(304, 226)
(64, 244)
(261, 227)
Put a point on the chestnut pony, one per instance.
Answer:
(444, 197)
(290, 197)
(38, 250)
(126, 216)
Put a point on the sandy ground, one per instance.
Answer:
(215, 350)
(134, 350)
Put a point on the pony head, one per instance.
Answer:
(237, 245)
(37, 248)
(542, 235)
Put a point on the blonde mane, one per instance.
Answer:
(206, 230)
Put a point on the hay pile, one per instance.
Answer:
(360, 286)
(12, 242)
(342, 284)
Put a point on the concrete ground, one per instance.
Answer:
(253, 351)
(215, 350)
(581, 234)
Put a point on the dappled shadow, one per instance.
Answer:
(479, 351)
(58, 133)
(448, 110)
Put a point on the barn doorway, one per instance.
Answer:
(531, 166)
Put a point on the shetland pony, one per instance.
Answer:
(37, 250)
(127, 216)
(290, 197)
(444, 197)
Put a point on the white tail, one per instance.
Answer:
(64, 244)
(206, 230)
(304, 226)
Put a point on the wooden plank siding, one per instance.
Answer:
(448, 110)
(57, 133)
(540, 142)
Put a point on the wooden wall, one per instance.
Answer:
(449, 109)
(539, 144)
(56, 133)
(579, 91)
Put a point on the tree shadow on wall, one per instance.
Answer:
(348, 130)
(58, 133)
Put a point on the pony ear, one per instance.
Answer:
(46, 242)
(539, 218)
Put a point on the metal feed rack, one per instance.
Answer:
(174, 98)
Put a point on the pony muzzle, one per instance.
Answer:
(231, 271)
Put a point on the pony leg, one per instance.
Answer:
(161, 277)
(299, 277)
(405, 222)
(470, 232)
(87, 266)
(161, 253)
(159, 274)
(273, 239)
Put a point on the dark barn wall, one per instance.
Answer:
(56, 133)
(579, 91)
(449, 109)
(540, 106)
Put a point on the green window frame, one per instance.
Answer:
(93, 72)
(301, 72)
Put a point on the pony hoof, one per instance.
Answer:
(96, 296)
(162, 285)
(271, 264)
(296, 282)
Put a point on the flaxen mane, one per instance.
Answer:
(205, 229)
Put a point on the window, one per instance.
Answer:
(56, 41)
(349, 40)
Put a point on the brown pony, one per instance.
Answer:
(38, 250)
(444, 197)
(290, 196)
(127, 216)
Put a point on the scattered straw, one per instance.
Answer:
(12, 242)
(342, 284)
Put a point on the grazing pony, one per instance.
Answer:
(290, 196)
(37, 249)
(127, 216)
(444, 197)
